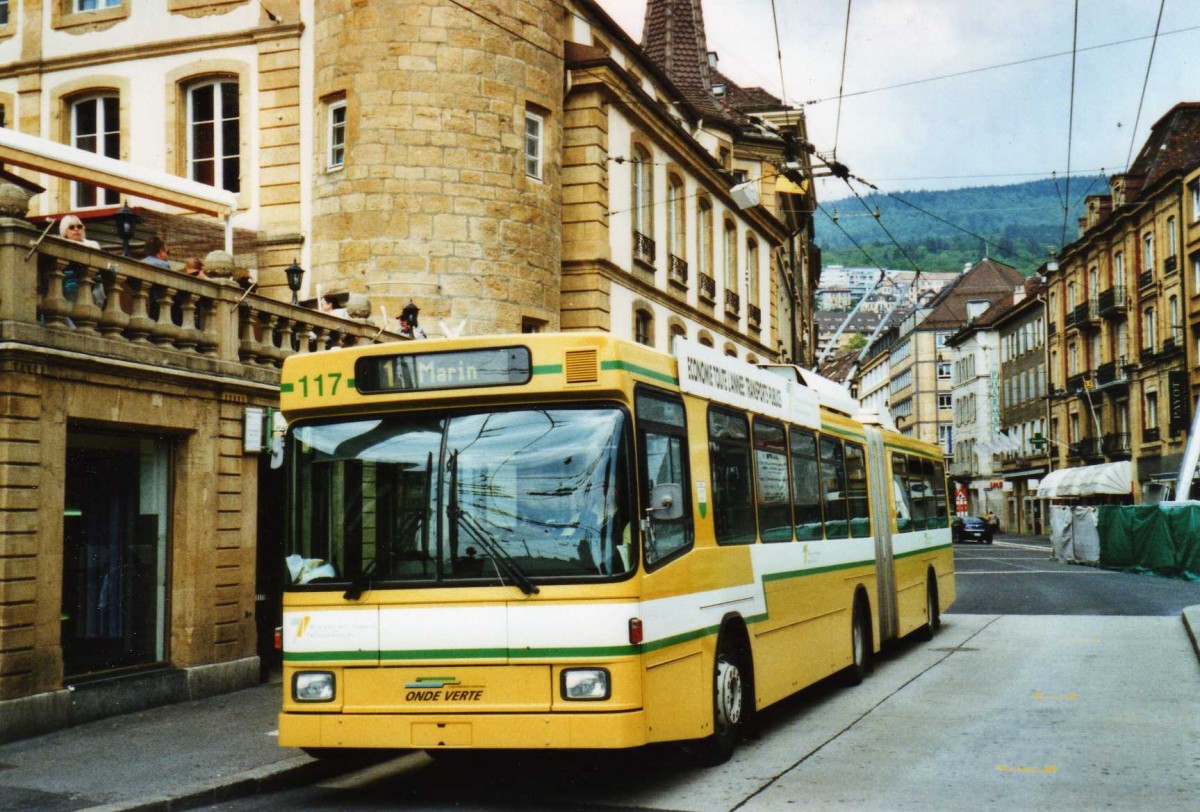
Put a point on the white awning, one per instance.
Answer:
(60, 160)
(1110, 478)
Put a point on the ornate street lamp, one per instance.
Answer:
(126, 222)
(295, 275)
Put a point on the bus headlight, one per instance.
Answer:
(586, 684)
(312, 686)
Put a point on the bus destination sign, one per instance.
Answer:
(456, 369)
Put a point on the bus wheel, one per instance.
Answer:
(933, 613)
(729, 706)
(860, 645)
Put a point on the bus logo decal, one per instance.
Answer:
(433, 689)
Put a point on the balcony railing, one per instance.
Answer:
(1145, 279)
(733, 303)
(118, 308)
(1170, 264)
(708, 288)
(1086, 313)
(1172, 345)
(1113, 302)
(1117, 444)
(643, 248)
(1151, 434)
(754, 314)
(1087, 448)
(677, 271)
(1076, 382)
(1051, 329)
(1113, 373)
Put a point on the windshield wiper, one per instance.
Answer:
(481, 536)
(360, 584)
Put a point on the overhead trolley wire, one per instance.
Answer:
(986, 68)
(842, 80)
(1145, 81)
(1070, 124)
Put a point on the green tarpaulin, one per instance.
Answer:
(1160, 539)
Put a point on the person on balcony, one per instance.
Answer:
(156, 252)
(71, 228)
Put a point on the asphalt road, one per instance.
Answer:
(1049, 686)
(1016, 576)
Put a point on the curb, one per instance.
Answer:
(298, 769)
(1191, 622)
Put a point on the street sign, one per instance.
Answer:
(1038, 440)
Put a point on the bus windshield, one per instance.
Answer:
(510, 497)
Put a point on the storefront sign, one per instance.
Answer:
(1177, 399)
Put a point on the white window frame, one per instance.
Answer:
(535, 129)
(221, 152)
(101, 137)
(335, 135)
(84, 6)
(1195, 187)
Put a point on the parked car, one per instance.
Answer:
(971, 528)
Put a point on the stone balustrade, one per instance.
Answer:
(56, 292)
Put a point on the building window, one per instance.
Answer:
(1196, 271)
(944, 370)
(1195, 189)
(532, 325)
(533, 145)
(946, 439)
(1148, 331)
(752, 271)
(643, 205)
(214, 134)
(95, 5)
(1147, 252)
(1151, 416)
(3, 13)
(95, 127)
(945, 401)
(1171, 239)
(730, 256)
(1119, 269)
(336, 134)
(676, 230)
(643, 327)
(704, 235)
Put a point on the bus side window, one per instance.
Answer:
(663, 471)
(806, 484)
(733, 491)
(917, 487)
(856, 490)
(900, 494)
(939, 492)
(833, 488)
(771, 477)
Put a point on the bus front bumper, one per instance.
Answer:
(526, 731)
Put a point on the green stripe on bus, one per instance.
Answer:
(828, 429)
(781, 576)
(547, 369)
(286, 387)
(634, 369)
(314, 656)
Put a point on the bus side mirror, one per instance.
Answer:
(666, 502)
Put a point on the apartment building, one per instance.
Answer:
(1120, 365)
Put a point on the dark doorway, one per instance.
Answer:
(114, 553)
(268, 588)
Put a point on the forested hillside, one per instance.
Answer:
(1019, 222)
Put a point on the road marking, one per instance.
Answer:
(1026, 572)
(1056, 697)
(1045, 770)
(1016, 545)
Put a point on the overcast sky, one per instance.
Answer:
(994, 126)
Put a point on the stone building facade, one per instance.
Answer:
(1119, 358)
(480, 163)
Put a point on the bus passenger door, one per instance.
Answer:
(881, 509)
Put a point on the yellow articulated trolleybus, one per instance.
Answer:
(574, 541)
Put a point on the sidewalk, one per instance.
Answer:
(173, 757)
(178, 756)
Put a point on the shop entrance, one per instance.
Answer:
(115, 532)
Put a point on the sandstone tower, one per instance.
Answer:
(436, 204)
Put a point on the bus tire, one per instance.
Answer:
(730, 708)
(933, 612)
(860, 644)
